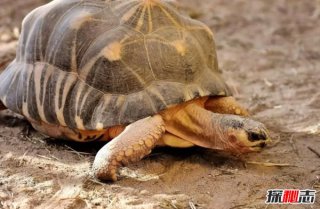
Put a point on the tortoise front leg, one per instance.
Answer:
(2, 107)
(134, 143)
(225, 105)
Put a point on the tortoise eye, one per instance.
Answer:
(256, 136)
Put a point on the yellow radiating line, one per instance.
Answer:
(125, 3)
(84, 98)
(157, 37)
(150, 19)
(169, 16)
(140, 79)
(38, 71)
(156, 93)
(85, 70)
(148, 57)
(140, 21)
(57, 24)
(74, 55)
(70, 81)
(130, 42)
(141, 18)
(59, 111)
(79, 91)
(126, 16)
(199, 49)
(160, 41)
(25, 107)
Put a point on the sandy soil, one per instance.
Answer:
(269, 52)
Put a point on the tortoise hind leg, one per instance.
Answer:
(225, 105)
(134, 143)
(2, 107)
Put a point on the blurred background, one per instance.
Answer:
(269, 52)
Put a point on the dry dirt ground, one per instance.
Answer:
(269, 51)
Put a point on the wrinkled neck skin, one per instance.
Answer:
(193, 123)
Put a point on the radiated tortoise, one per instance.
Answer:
(133, 72)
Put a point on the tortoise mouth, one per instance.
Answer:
(261, 145)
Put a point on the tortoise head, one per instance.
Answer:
(245, 135)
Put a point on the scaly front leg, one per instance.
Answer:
(134, 143)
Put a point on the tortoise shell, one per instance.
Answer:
(90, 65)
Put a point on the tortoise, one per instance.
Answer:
(133, 73)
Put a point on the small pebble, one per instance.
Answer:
(97, 201)
(144, 192)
